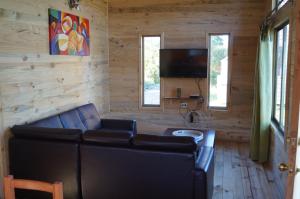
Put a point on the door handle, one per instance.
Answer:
(283, 167)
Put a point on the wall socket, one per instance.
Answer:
(183, 105)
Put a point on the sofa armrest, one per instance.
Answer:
(205, 158)
(30, 132)
(204, 173)
(119, 124)
(209, 139)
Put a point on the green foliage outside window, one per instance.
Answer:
(218, 53)
(151, 47)
(151, 60)
(219, 46)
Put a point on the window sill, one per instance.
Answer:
(213, 108)
(151, 108)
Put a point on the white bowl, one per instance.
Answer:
(197, 135)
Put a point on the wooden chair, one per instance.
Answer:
(10, 184)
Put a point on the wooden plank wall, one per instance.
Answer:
(184, 24)
(34, 84)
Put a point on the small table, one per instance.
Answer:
(208, 140)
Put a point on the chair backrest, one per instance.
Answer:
(10, 184)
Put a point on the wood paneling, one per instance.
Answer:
(34, 84)
(184, 24)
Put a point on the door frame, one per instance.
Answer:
(294, 100)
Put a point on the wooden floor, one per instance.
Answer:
(237, 177)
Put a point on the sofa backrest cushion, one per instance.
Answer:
(46, 161)
(89, 116)
(71, 120)
(50, 122)
(118, 124)
(41, 133)
(136, 174)
(108, 139)
(165, 143)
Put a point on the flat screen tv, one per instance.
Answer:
(187, 63)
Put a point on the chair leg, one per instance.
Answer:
(58, 190)
(9, 190)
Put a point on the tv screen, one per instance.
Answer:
(183, 63)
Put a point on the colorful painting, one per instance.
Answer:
(68, 34)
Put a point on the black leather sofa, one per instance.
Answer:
(99, 158)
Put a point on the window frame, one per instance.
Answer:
(142, 75)
(278, 3)
(274, 81)
(227, 107)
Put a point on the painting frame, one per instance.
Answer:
(68, 34)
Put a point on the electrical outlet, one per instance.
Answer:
(183, 105)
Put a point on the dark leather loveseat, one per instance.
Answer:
(99, 158)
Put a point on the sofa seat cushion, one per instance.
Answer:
(89, 116)
(25, 131)
(50, 122)
(165, 143)
(107, 139)
(71, 120)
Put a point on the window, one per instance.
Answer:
(281, 3)
(281, 61)
(150, 70)
(219, 63)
